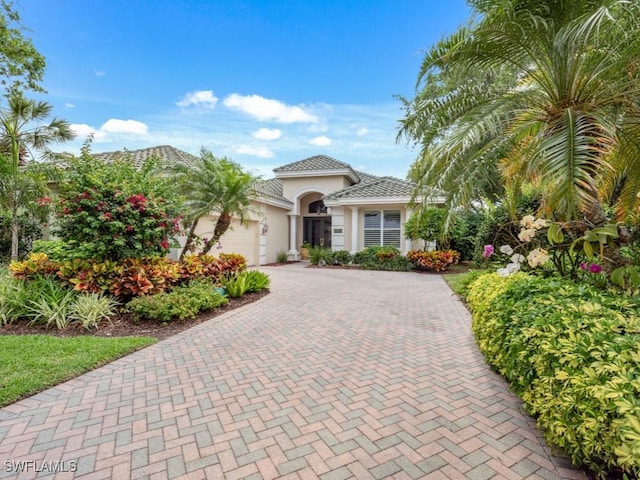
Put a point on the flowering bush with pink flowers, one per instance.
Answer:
(115, 211)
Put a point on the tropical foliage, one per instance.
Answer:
(114, 211)
(571, 352)
(551, 102)
(427, 225)
(214, 186)
(22, 135)
(21, 65)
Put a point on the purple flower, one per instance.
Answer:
(595, 268)
(584, 266)
(488, 251)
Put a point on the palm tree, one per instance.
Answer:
(567, 121)
(215, 186)
(22, 136)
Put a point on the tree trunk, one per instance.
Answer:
(189, 241)
(15, 237)
(222, 225)
(593, 211)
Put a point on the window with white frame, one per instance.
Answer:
(382, 227)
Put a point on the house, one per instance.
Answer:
(318, 200)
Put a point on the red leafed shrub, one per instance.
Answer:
(433, 261)
(88, 275)
(231, 263)
(144, 276)
(198, 267)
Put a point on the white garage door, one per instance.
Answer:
(242, 240)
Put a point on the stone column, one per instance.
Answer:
(293, 234)
(408, 244)
(355, 233)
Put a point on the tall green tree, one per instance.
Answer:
(23, 136)
(566, 122)
(21, 65)
(215, 186)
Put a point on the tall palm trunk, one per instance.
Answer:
(222, 225)
(15, 233)
(190, 236)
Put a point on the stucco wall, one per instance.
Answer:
(238, 239)
(278, 234)
(329, 184)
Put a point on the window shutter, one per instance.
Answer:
(391, 226)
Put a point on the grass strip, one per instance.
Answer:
(32, 363)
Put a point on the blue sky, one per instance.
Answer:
(262, 82)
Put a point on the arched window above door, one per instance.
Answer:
(317, 207)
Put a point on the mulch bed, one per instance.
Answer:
(124, 325)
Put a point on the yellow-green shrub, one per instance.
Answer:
(572, 353)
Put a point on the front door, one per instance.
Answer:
(317, 231)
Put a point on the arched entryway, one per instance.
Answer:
(316, 225)
(315, 221)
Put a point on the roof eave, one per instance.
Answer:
(275, 202)
(346, 172)
(391, 200)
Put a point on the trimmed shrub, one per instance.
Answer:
(182, 302)
(433, 261)
(571, 352)
(382, 258)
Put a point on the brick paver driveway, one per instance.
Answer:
(336, 374)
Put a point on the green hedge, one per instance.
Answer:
(182, 302)
(572, 353)
(382, 258)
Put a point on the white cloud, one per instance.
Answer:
(202, 98)
(261, 152)
(99, 73)
(267, 134)
(265, 109)
(69, 105)
(321, 141)
(82, 131)
(362, 131)
(113, 125)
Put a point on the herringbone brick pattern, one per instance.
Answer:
(336, 374)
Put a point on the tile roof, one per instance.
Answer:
(271, 189)
(166, 153)
(378, 187)
(317, 162)
(365, 177)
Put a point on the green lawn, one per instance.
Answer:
(453, 280)
(32, 363)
